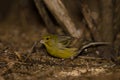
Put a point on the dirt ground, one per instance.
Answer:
(17, 63)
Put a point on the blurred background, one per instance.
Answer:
(84, 19)
(22, 22)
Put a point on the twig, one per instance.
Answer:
(91, 45)
(87, 57)
(32, 50)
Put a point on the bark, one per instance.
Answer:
(106, 29)
(91, 25)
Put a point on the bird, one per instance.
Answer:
(57, 46)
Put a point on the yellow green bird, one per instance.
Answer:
(57, 46)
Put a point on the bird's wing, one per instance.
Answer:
(65, 40)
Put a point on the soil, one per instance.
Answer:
(18, 63)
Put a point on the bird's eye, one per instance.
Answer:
(47, 38)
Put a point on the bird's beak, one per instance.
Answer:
(42, 41)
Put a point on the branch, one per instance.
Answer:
(45, 16)
(58, 9)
